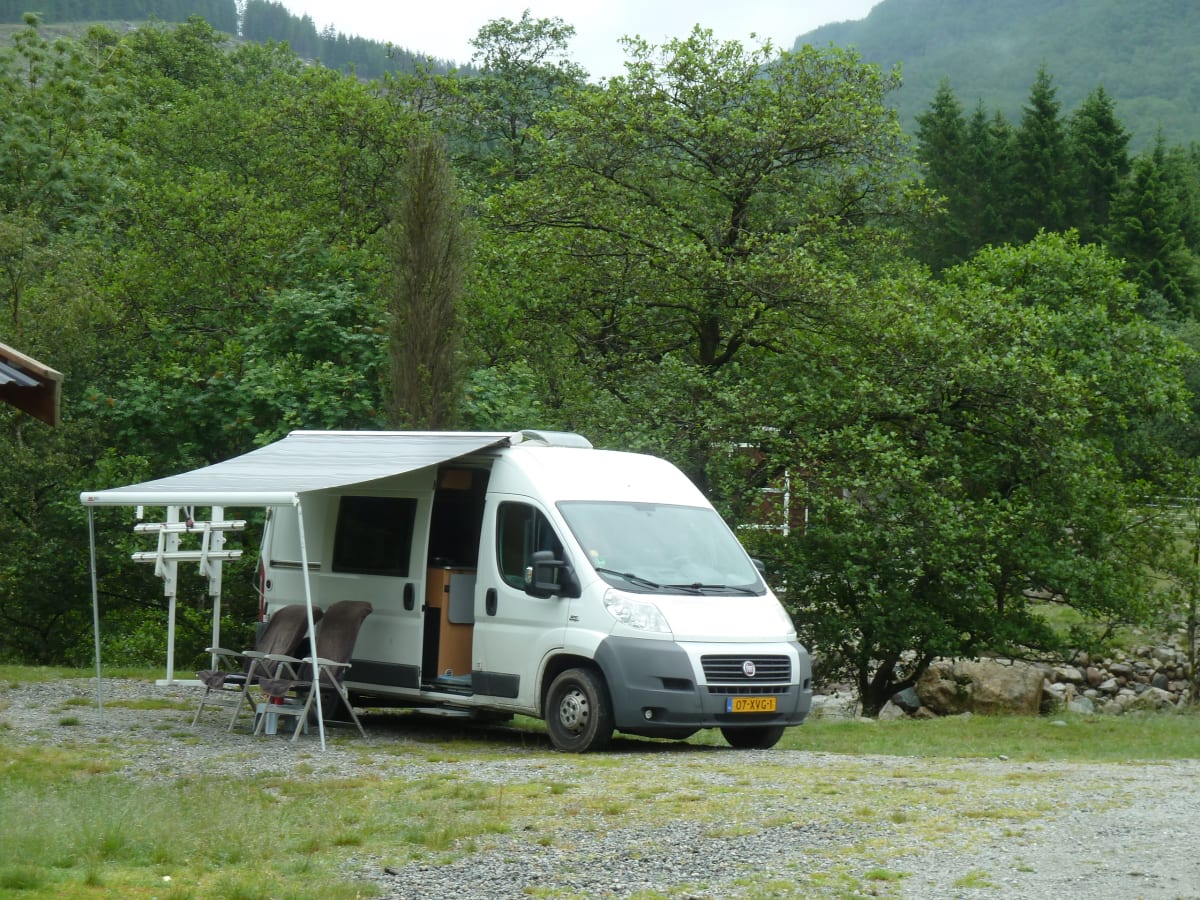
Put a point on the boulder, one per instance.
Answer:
(1082, 706)
(1165, 655)
(1069, 674)
(834, 706)
(907, 700)
(990, 686)
(1152, 699)
(891, 711)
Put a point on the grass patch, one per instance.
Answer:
(884, 875)
(1020, 738)
(976, 878)
(16, 675)
(74, 825)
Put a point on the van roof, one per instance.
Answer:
(558, 473)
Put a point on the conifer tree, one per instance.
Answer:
(1146, 234)
(1041, 186)
(942, 150)
(429, 253)
(1099, 148)
(987, 207)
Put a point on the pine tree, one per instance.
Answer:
(942, 151)
(1099, 149)
(1146, 234)
(987, 208)
(1042, 182)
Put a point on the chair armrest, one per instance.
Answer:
(328, 663)
(289, 666)
(225, 658)
(281, 658)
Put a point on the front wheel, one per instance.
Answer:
(755, 737)
(578, 713)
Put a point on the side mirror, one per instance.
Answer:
(547, 576)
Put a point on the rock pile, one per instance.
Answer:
(1149, 678)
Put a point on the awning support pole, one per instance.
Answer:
(312, 626)
(95, 609)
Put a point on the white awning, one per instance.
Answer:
(303, 461)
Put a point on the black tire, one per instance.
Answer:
(578, 712)
(754, 737)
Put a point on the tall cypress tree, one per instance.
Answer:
(429, 247)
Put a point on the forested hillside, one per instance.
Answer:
(1142, 54)
(970, 362)
(251, 20)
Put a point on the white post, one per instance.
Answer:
(214, 569)
(312, 626)
(95, 611)
(170, 585)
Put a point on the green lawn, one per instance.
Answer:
(74, 825)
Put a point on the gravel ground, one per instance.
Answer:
(978, 828)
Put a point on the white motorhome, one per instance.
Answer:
(508, 573)
(597, 590)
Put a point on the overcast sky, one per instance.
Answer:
(443, 29)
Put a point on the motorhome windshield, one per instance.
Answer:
(660, 548)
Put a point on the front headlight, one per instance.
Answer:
(635, 613)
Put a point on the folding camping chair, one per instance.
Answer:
(291, 690)
(284, 633)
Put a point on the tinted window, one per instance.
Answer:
(520, 531)
(374, 535)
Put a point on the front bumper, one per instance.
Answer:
(666, 688)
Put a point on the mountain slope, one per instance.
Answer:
(1144, 55)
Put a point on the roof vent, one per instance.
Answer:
(555, 439)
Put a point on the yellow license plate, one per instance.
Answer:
(750, 705)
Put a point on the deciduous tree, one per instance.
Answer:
(976, 448)
(708, 205)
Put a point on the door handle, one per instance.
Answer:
(409, 595)
(489, 602)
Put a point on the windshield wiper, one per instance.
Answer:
(701, 588)
(631, 578)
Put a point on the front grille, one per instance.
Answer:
(731, 669)
(746, 690)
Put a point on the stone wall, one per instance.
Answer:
(1149, 678)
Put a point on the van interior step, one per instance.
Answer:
(450, 684)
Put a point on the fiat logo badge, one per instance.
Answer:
(748, 668)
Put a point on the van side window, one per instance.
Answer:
(520, 531)
(374, 535)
